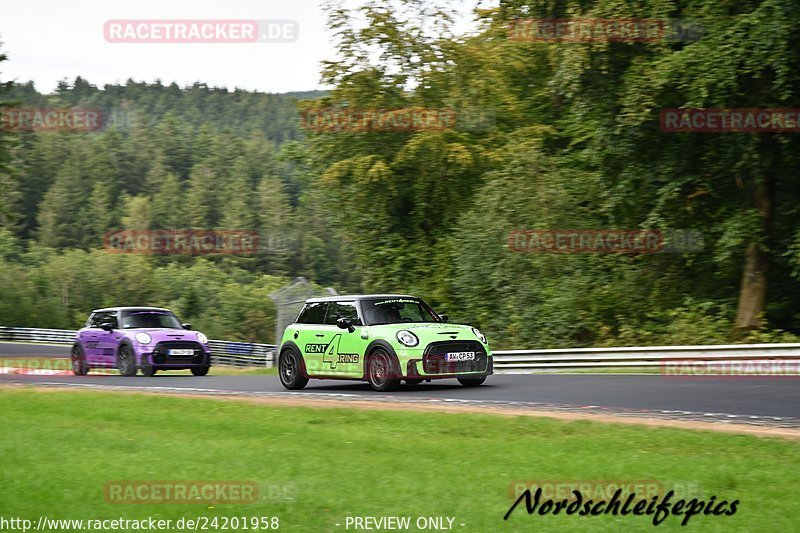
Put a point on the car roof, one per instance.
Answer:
(353, 297)
(135, 308)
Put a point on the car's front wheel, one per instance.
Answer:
(290, 370)
(126, 361)
(148, 371)
(79, 365)
(471, 382)
(200, 370)
(381, 372)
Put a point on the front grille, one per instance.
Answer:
(161, 353)
(434, 359)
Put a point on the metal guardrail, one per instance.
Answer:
(225, 353)
(247, 354)
(47, 336)
(640, 357)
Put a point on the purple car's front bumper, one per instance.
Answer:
(176, 355)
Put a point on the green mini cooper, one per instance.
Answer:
(382, 339)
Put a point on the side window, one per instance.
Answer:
(90, 321)
(99, 318)
(337, 310)
(313, 313)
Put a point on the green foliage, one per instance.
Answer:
(45, 288)
(572, 140)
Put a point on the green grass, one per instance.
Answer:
(63, 363)
(58, 449)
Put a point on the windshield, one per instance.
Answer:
(149, 319)
(396, 311)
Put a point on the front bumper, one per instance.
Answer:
(160, 357)
(413, 370)
(433, 363)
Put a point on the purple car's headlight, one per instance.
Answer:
(202, 338)
(143, 338)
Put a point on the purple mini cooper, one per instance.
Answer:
(133, 338)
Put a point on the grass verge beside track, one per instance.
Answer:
(64, 364)
(58, 449)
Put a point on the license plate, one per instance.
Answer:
(181, 351)
(452, 357)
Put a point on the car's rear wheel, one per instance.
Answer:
(381, 372)
(471, 382)
(79, 365)
(126, 362)
(290, 370)
(200, 370)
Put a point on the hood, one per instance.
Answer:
(431, 331)
(164, 334)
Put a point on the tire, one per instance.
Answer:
(472, 382)
(200, 370)
(290, 370)
(126, 361)
(149, 371)
(79, 365)
(381, 371)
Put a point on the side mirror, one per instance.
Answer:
(444, 317)
(345, 323)
(186, 325)
(108, 326)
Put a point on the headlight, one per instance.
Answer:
(143, 338)
(407, 338)
(202, 338)
(479, 335)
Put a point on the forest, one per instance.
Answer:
(548, 135)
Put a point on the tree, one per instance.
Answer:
(201, 205)
(237, 204)
(10, 195)
(137, 213)
(61, 213)
(101, 216)
(168, 211)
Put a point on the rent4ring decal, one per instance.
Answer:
(331, 354)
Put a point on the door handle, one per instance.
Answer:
(320, 334)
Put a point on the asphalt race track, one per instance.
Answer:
(772, 401)
(12, 349)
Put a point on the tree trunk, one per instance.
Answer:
(753, 291)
